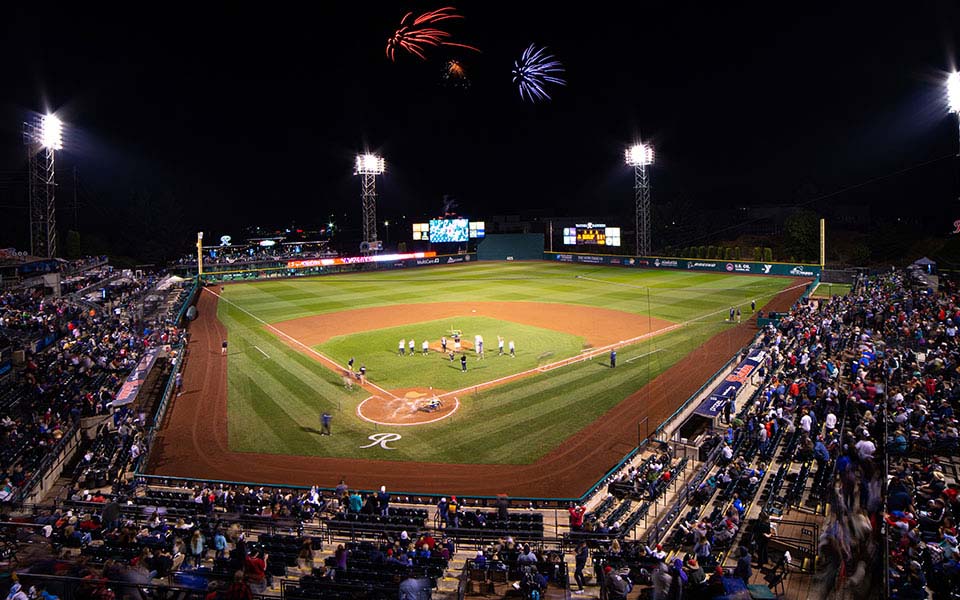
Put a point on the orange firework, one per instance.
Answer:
(415, 35)
(455, 74)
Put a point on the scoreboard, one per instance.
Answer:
(591, 234)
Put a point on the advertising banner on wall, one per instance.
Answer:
(730, 386)
(718, 266)
(131, 387)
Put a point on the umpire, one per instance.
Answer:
(613, 359)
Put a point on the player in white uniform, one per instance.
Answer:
(403, 347)
(425, 346)
(413, 347)
(513, 349)
(499, 345)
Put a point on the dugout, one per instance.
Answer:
(694, 431)
(511, 246)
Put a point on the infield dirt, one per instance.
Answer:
(193, 439)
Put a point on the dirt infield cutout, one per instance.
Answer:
(599, 327)
(411, 406)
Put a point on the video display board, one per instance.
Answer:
(449, 230)
(591, 234)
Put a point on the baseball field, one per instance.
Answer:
(253, 414)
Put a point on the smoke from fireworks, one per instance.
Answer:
(534, 70)
(415, 35)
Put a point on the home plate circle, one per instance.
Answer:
(408, 406)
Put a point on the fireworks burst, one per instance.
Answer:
(455, 74)
(415, 35)
(535, 69)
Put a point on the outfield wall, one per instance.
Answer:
(689, 264)
(511, 246)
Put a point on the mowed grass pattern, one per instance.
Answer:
(378, 350)
(274, 403)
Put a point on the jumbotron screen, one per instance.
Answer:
(591, 234)
(449, 230)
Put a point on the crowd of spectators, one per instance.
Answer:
(237, 254)
(77, 375)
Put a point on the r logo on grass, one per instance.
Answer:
(382, 439)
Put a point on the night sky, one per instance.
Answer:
(253, 114)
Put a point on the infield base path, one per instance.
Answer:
(193, 441)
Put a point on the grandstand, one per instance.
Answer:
(834, 455)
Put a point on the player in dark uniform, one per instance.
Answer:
(463, 363)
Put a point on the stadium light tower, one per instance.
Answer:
(639, 156)
(43, 137)
(368, 167)
(953, 97)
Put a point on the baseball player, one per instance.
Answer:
(403, 347)
(425, 347)
(499, 345)
(223, 347)
(443, 343)
(456, 344)
(480, 349)
(513, 349)
(413, 347)
(463, 363)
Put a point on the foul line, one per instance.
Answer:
(360, 414)
(295, 341)
(602, 349)
(541, 369)
(262, 352)
(642, 355)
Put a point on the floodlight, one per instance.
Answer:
(953, 92)
(639, 155)
(51, 132)
(370, 164)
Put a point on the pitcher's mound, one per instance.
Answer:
(410, 406)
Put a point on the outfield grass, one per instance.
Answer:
(274, 402)
(829, 290)
(386, 368)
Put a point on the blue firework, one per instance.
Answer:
(534, 71)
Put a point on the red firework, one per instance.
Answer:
(416, 35)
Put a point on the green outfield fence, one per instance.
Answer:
(739, 267)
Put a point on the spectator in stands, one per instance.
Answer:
(658, 552)
(239, 589)
(527, 556)
(383, 501)
(197, 547)
(696, 578)
(340, 558)
(255, 571)
(219, 545)
(582, 555)
(355, 502)
(615, 584)
(744, 568)
(453, 514)
(443, 511)
(576, 516)
(503, 504)
(762, 534)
